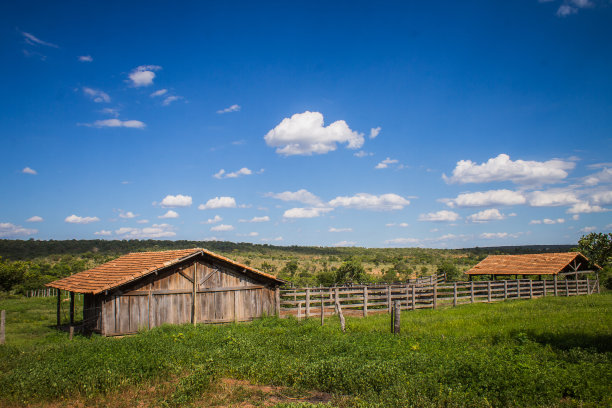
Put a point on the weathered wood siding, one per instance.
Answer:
(224, 294)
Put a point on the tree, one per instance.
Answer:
(451, 271)
(351, 271)
(597, 246)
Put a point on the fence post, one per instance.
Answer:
(577, 290)
(489, 291)
(71, 331)
(339, 311)
(299, 314)
(322, 308)
(472, 292)
(365, 301)
(307, 303)
(454, 294)
(588, 286)
(555, 284)
(277, 300)
(389, 305)
(566, 287)
(505, 289)
(2, 326)
(435, 296)
(71, 308)
(59, 300)
(396, 316)
(530, 289)
(413, 297)
(518, 288)
(544, 286)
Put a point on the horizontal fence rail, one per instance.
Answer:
(363, 299)
(46, 292)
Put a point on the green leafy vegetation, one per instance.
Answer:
(541, 352)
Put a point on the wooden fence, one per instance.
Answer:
(46, 292)
(361, 300)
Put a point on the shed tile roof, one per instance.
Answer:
(530, 264)
(132, 266)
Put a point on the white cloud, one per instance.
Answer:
(142, 221)
(169, 214)
(222, 227)
(221, 174)
(302, 196)
(75, 219)
(566, 10)
(501, 168)
(272, 239)
(586, 230)
(402, 241)
(127, 214)
(345, 243)
(110, 111)
(250, 234)
(374, 132)
(602, 197)
(104, 233)
(97, 95)
(85, 58)
(218, 202)
(134, 124)
(385, 163)
(439, 216)
(214, 220)
(491, 214)
(575, 217)
(493, 235)
(233, 108)
(158, 93)
(306, 212)
(32, 40)
(552, 198)
(28, 170)
(35, 218)
(401, 224)
(8, 230)
(143, 75)
(154, 231)
(584, 207)
(362, 153)
(603, 176)
(548, 221)
(169, 99)
(178, 200)
(265, 218)
(599, 165)
(304, 134)
(333, 229)
(365, 201)
(486, 199)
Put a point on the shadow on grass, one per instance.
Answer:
(565, 341)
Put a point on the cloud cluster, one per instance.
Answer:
(222, 228)
(385, 163)
(233, 108)
(28, 170)
(439, 216)
(221, 174)
(8, 230)
(547, 221)
(32, 40)
(143, 75)
(178, 200)
(486, 199)
(213, 220)
(75, 219)
(218, 202)
(264, 218)
(302, 196)
(154, 231)
(169, 214)
(305, 134)
(113, 123)
(97, 95)
(311, 212)
(491, 214)
(333, 229)
(365, 201)
(35, 218)
(85, 58)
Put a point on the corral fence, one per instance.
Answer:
(46, 292)
(364, 299)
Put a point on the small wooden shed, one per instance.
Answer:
(146, 289)
(568, 263)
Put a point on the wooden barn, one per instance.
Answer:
(566, 263)
(146, 289)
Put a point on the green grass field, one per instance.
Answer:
(541, 352)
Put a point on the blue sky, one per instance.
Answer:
(379, 124)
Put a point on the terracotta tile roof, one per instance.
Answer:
(530, 264)
(135, 265)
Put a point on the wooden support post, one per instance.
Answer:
(544, 288)
(322, 309)
(339, 311)
(555, 284)
(71, 308)
(413, 297)
(307, 303)
(530, 289)
(59, 303)
(389, 305)
(365, 301)
(195, 294)
(454, 294)
(396, 317)
(505, 289)
(566, 287)
(472, 291)
(435, 296)
(518, 288)
(2, 326)
(277, 301)
(71, 332)
(489, 291)
(299, 314)
(588, 286)
(577, 291)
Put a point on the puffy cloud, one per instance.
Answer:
(75, 219)
(586, 230)
(104, 233)
(362, 153)
(304, 134)
(134, 124)
(214, 220)
(302, 196)
(402, 241)
(233, 108)
(271, 239)
(35, 218)
(501, 168)
(374, 132)
(142, 221)
(158, 93)
(154, 231)
(499, 235)
(385, 163)
(8, 230)
(32, 40)
(178, 200)
(169, 99)
(265, 218)
(486, 199)
(306, 212)
(222, 227)
(565, 10)
(127, 214)
(583, 207)
(143, 75)
(603, 176)
(110, 111)
(28, 170)
(218, 202)
(169, 214)
(439, 216)
(548, 221)
(401, 224)
(250, 234)
(221, 174)
(602, 197)
(97, 95)
(333, 229)
(85, 58)
(552, 198)
(491, 214)
(365, 201)
(345, 244)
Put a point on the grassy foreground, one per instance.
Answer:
(544, 352)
